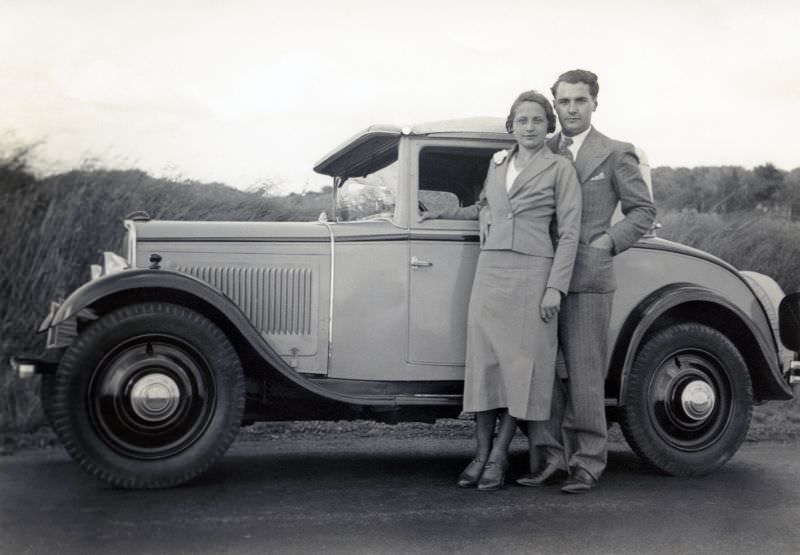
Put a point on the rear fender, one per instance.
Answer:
(660, 308)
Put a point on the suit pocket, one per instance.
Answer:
(593, 271)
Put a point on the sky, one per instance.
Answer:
(245, 92)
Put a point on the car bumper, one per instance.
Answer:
(27, 366)
(792, 373)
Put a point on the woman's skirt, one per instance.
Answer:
(511, 351)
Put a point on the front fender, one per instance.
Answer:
(97, 292)
(94, 291)
(763, 364)
(105, 291)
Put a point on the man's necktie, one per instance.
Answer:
(564, 150)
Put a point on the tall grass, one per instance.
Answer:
(750, 241)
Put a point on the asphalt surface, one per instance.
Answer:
(379, 495)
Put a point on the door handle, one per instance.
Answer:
(417, 263)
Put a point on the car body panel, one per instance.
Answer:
(369, 302)
(438, 301)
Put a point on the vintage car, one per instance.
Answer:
(198, 327)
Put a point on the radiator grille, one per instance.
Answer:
(277, 300)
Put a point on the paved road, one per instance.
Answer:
(372, 495)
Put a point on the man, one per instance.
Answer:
(574, 440)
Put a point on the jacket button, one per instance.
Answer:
(509, 216)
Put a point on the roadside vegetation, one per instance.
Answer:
(52, 228)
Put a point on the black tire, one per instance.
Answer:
(148, 396)
(688, 401)
(46, 387)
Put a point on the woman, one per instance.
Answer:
(519, 282)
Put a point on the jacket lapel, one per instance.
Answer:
(593, 152)
(497, 183)
(540, 162)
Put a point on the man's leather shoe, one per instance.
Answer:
(550, 474)
(493, 476)
(469, 478)
(579, 481)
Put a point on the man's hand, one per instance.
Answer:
(551, 302)
(603, 242)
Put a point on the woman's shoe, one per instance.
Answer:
(469, 478)
(493, 476)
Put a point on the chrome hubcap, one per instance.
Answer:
(152, 396)
(691, 399)
(155, 397)
(698, 400)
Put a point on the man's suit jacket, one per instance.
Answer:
(608, 172)
(519, 219)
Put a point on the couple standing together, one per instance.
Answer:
(545, 282)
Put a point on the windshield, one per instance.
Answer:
(370, 197)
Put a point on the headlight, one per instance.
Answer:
(112, 264)
(95, 271)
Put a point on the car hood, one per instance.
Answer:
(160, 230)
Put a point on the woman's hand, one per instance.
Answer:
(429, 215)
(551, 302)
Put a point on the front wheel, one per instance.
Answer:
(688, 401)
(149, 395)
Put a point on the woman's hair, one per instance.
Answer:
(532, 96)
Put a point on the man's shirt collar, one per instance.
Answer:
(577, 141)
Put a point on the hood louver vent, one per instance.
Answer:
(277, 300)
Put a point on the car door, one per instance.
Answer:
(442, 253)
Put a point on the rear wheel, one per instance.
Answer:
(688, 401)
(149, 395)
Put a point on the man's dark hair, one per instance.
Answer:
(538, 98)
(575, 76)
